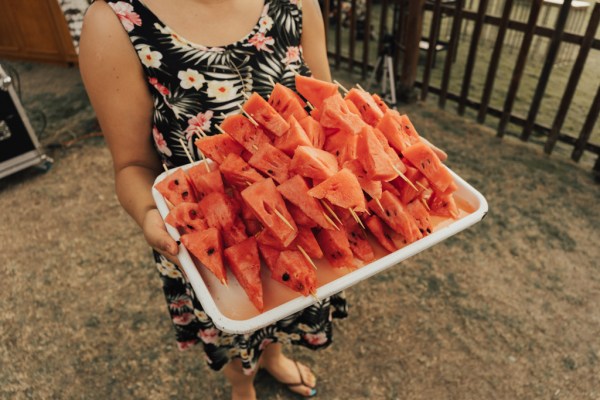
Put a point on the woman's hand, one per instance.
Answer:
(157, 236)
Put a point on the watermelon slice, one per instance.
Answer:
(428, 163)
(269, 255)
(342, 190)
(381, 233)
(398, 130)
(176, 188)
(396, 216)
(394, 157)
(368, 108)
(186, 218)
(443, 206)
(307, 241)
(371, 187)
(293, 270)
(342, 145)
(314, 131)
(205, 182)
(300, 217)
(357, 239)
(287, 102)
(294, 137)
(373, 157)
(265, 115)
(219, 210)
(314, 163)
(296, 191)
(336, 248)
(217, 147)
(244, 262)
(417, 209)
(406, 192)
(315, 90)
(207, 247)
(380, 103)
(235, 233)
(244, 132)
(335, 114)
(271, 161)
(352, 107)
(268, 206)
(238, 173)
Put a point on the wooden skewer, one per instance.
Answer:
(421, 185)
(166, 168)
(284, 220)
(341, 86)
(425, 204)
(313, 294)
(379, 204)
(333, 214)
(305, 254)
(360, 87)
(310, 105)
(187, 153)
(248, 115)
(205, 160)
(255, 147)
(220, 129)
(331, 221)
(246, 96)
(271, 81)
(356, 218)
(404, 178)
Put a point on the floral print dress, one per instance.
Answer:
(194, 87)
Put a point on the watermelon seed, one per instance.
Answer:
(428, 230)
(270, 172)
(191, 228)
(285, 277)
(176, 182)
(185, 194)
(210, 251)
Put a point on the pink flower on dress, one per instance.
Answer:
(126, 15)
(292, 55)
(161, 143)
(210, 335)
(183, 319)
(260, 41)
(161, 89)
(186, 345)
(316, 339)
(179, 303)
(198, 124)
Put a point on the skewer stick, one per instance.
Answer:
(166, 168)
(220, 129)
(248, 115)
(284, 220)
(255, 147)
(246, 96)
(187, 153)
(310, 105)
(341, 86)
(331, 221)
(379, 204)
(360, 87)
(404, 178)
(333, 214)
(305, 254)
(356, 218)
(205, 160)
(271, 81)
(421, 185)
(313, 294)
(425, 204)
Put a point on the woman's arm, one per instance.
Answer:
(115, 83)
(314, 46)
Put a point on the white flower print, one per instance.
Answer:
(199, 124)
(221, 90)
(201, 315)
(191, 79)
(161, 143)
(177, 40)
(292, 55)
(265, 23)
(210, 335)
(128, 18)
(261, 42)
(149, 58)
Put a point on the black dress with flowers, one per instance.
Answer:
(194, 87)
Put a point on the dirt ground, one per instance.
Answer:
(508, 309)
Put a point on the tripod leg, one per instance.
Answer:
(390, 64)
(373, 77)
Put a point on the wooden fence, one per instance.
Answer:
(360, 33)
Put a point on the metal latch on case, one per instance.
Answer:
(5, 82)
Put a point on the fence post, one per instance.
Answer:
(410, 62)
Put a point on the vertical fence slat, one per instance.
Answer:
(561, 21)
(472, 56)
(586, 131)
(433, 35)
(452, 47)
(414, 27)
(338, 34)
(382, 26)
(352, 35)
(493, 68)
(519, 66)
(573, 79)
(366, 39)
(399, 27)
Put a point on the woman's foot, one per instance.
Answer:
(243, 393)
(297, 377)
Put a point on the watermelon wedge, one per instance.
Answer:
(300, 217)
(443, 206)
(271, 161)
(368, 108)
(371, 187)
(217, 147)
(398, 130)
(265, 115)
(244, 263)
(313, 163)
(186, 218)
(357, 239)
(287, 102)
(235, 233)
(294, 137)
(417, 209)
(296, 191)
(207, 247)
(352, 107)
(380, 103)
(238, 173)
(219, 210)
(314, 131)
(336, 114)
(269, 255)
(336, 248)
(428, 163)
(244, 132)
(205, 182)
(307, 241)
(315, 90)
(381, 233)
(373, 157)
(342, 145)
(396, 216)
(268, 206)
(342, 190)
(176, 188)
(293, 270)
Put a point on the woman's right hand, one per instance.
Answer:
(157, 236)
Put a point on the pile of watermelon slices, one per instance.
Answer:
(301, 177)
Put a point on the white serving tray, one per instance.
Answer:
(231, 310)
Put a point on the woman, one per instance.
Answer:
(154, 86)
